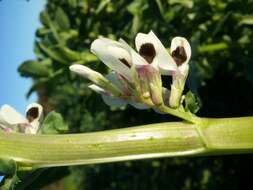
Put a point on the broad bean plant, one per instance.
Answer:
(135, 77)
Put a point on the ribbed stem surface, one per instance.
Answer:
(210, 136)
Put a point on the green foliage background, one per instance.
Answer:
(220, 33)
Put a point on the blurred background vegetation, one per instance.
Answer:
(221, 75)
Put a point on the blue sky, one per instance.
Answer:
(19, 20)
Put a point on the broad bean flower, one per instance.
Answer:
(13, 121)
(135, 76)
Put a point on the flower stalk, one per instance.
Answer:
(206, 137)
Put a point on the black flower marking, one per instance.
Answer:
(147, 51)
(32, 114)
(125, 62)
(179, 55)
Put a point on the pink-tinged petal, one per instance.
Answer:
(150, 78)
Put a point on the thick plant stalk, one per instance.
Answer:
(207, 136)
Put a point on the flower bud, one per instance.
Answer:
(95, 77)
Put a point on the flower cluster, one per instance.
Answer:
(136, 74)
(12, 121)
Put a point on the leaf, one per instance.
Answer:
(33, 68)
(54, 124)
(88, 57)
(52, 53)
(40, 32)
(186, 3)
(41, 82)
(101, 6)
(71, 55)
(135, 7)
(38, 51)
(44, 18)
(61, 54)
(191, 103)
(8, 168)
(61, 19)
(246, 19)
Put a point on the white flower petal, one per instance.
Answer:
(96, 78)
(37, 109)
(183, 70)
(164, 60)
(113, 101)
(136, 58)
(30, 129)
(86, 72)
(181, 42)
(34, 114)
(97, 89)
(9, 116)
(162, 57)
(112, 55)
(118, 50)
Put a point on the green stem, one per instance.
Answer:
(187, 116)
(212, 47)
(209, 136)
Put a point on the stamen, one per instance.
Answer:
(147, 51)
(32, 114)
(179, 55)
(125, 62)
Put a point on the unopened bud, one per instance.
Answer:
(96, 78)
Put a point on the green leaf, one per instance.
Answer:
(54, 124)
(101, 6)
(71, 55)
(246, 19)
(44, 18)
(186, 3)
(61, 19)
(33, 68)
(61, 54)
(191, 103)
(42, 82)
(40, 32)
(8, 168)
(53, 53)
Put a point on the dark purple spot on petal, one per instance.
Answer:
(125, 62)
(179, 55)
(32, 114)
(147, 51)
